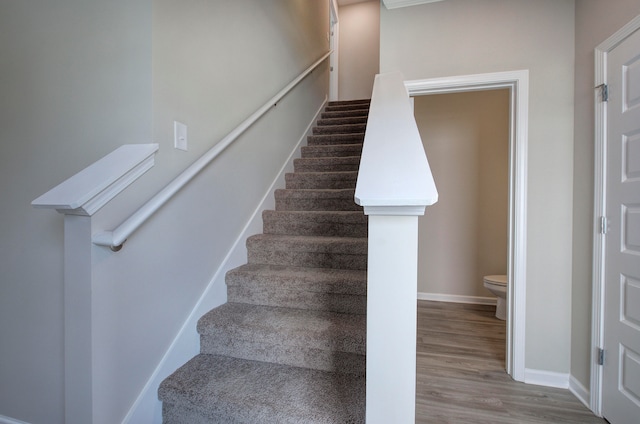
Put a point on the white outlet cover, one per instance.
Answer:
(180, 135)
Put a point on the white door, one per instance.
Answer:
(621, 373)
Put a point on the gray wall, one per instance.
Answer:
(83, 77)
(477, 36)
(596, 21)
(359, 49)
(464, 237)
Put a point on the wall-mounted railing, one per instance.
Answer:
(115, 238)
(394, 187)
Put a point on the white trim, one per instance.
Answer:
(393, 176)
(599, 202)
(90, 189)
(7, 420)
(455, 298)
(394, 210)
(182, 347)
(395, 4)
(579, 391)
(559, 380)
(518, 84)
(334, 46)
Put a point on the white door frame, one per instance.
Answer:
(518, 84)
(599, 196)
(334, 44)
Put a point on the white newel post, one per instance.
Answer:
(394, 187)
(79, 198)
(391, 318)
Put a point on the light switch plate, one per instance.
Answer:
(179, 135)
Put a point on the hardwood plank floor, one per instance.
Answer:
(461, 375)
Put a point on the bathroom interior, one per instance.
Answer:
(463, 239)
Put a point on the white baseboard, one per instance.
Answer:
(546, 378)
(147, 408)
(7, 420)
(454, 298)
(582, 393)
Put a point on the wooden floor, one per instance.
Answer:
(461, 374)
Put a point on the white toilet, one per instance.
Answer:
(497, 284)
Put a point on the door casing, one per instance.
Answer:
(518, 84)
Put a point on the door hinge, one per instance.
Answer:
(604, 225)
(600, 356)
(604, 92)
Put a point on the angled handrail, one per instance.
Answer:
(115, 238)
(394, 186)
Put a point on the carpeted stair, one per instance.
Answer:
(290, 344)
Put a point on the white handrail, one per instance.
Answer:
(115, 238)
(394, 172)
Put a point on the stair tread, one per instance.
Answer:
(325, 159)
(335, 139)
(329, 215)
(339, 129)
(271, 325)
(245, 391)
(342, 120)
(321, 280)
(332, 150)
(329, 180)
(327, 164)
(317, 192)
(313, 243)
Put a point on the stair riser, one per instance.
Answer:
(330, 224)
(315, 301)
(316, 200)
(349, 102)
(343, 120)
(179, 414)
(321, 181)
(315, 204)
(278, 353)
(364, 112)
(340, 129)
(306, 228)
(336, 151)
(342, 108)
(326, 164)
(309, 259)
(333, 139)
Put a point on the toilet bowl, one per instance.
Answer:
(497, 284)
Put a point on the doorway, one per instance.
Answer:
(464, 237)
(517, 82)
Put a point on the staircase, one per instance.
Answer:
(289, 346)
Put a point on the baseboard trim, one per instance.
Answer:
(7, 420)
(147, 407)
(579, 391)
(546, 378)
(454, 298)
